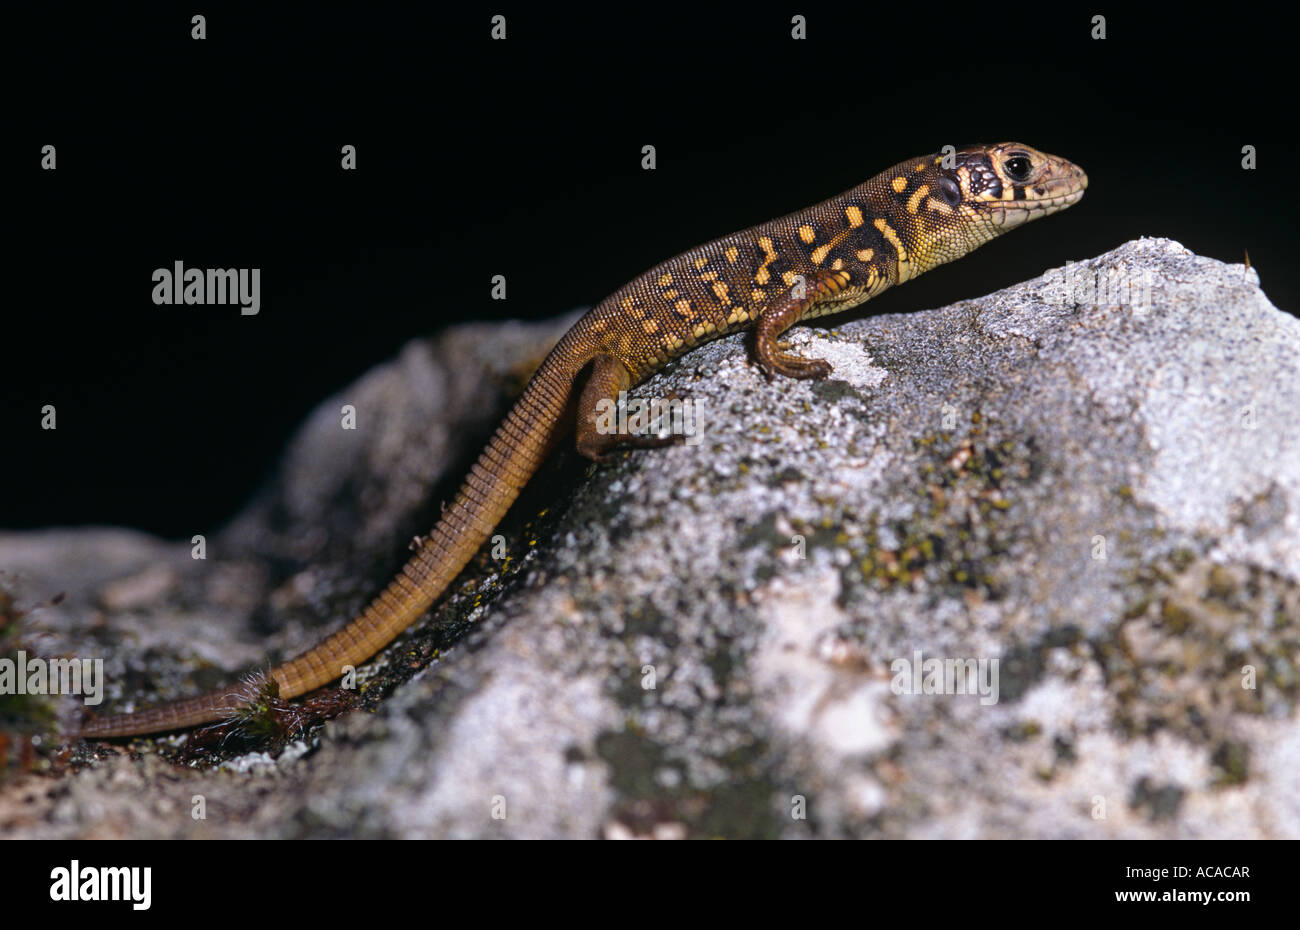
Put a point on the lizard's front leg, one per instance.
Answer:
(807, 293)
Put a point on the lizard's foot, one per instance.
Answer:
(791, 366)
(652, 440)
(604, 452)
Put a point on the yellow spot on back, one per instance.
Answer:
(669, 295)
(914, 202)
(708, 276)
(819, 254)
(683, 307)
(921, 167)
(666, 279)
(837, 264)
(899, 184)
(732, 254)
(700, 263)
(788, 277)
(627, 303)
(807, 234)
(864, 255)
(756, 295)
(769, 255)
(650, 326)
(854, 216)
(720, 291)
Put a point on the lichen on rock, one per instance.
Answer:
(1094, 491)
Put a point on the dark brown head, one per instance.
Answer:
(979, 192)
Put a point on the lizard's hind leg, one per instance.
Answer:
(597, 427)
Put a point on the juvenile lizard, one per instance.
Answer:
(824, 259)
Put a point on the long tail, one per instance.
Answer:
(511, 458)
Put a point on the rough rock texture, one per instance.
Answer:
(1099, 491)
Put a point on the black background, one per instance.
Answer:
(522, 158)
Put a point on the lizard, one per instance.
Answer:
(824, 259)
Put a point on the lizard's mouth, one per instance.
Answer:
(1061, 186)
(1059, 194)
(1064, 181)
(1065, 198)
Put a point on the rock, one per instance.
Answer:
(1090, 492)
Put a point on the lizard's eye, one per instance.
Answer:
(949, 190)
(1018, 167)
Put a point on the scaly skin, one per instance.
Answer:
(825, 259)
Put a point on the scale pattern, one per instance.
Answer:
(823, 259)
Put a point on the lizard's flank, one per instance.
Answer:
(823, 259)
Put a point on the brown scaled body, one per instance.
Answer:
(824, 259)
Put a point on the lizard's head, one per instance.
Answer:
(966, 197)
(998, 187)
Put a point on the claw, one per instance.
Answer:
(795, 366)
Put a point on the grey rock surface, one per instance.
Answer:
(1095, 486)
